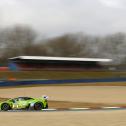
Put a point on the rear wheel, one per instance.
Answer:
(38, 106)
(5, 107)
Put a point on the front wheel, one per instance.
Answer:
(5, 107)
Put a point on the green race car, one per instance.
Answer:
(25, 103)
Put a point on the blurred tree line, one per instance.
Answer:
(23, 40)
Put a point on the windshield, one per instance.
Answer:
(20, 99)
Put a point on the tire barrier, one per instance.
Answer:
(68, 81)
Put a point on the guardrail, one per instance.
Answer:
(74, 81)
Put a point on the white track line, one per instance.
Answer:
(79, 108)
(71, 109)
(49, 109)
(111, 107)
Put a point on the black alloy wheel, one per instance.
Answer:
(38, 106)
(5, 107)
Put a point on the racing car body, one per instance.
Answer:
(24, 103)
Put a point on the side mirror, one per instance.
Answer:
(45, 97)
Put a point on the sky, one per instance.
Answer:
(57, 17)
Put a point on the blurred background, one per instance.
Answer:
(81, 28)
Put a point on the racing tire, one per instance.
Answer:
(5, 107)
(38, 106)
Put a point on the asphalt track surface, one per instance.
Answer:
(72, 109)
(26, 82)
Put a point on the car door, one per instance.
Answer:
(21, 104)
(15, 103)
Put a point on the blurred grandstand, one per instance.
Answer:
(57, 63)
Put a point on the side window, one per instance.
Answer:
(13, 100)
(27, 98)
(20, 99)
